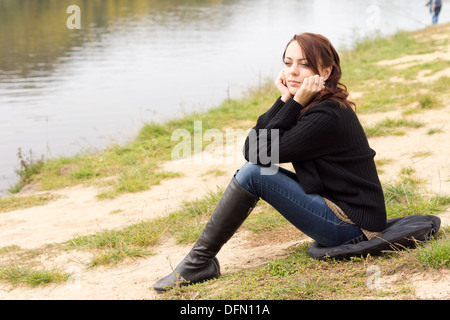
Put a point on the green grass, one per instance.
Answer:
(434, 254)
(391, 127)
(434, 131)
(411, 72)
(17, 275)
(22, 202)
(363, 74)
(404, 198)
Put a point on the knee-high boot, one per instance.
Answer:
(201, 263)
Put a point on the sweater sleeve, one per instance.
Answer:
(283, 137)
(265, 118)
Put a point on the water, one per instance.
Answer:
(63, 90)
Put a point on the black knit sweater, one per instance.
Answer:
(330, 154)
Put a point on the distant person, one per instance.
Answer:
(435, 9)
(334, 196)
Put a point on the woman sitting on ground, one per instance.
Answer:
(334, 196)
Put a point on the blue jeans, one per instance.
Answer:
(435, 15)
(307, 212)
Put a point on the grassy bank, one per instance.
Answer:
(375, 86)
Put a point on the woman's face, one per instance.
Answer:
(296, 67)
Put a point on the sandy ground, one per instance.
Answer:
(78, 212)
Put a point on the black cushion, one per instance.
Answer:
(400, 233)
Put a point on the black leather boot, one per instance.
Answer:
(201, 263)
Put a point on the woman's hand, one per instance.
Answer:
(280, 83)
(310, 87)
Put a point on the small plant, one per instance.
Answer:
(434, 254)
(29, 167)
(426, 101)
(434, 130)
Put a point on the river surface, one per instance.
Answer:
(65, 90)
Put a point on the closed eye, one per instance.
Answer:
(303, 62)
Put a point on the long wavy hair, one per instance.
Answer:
(319, 52)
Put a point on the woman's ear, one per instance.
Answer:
(326, 72)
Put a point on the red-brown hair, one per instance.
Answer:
(319, 52)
